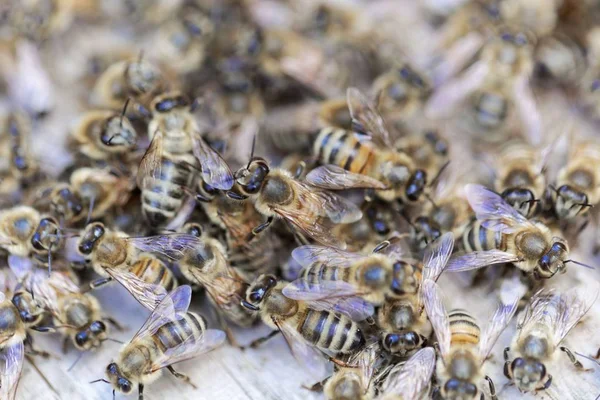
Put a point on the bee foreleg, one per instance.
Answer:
(492, 388)
(506, 349)
(140, 391)
(317, 387)
(99, 282)
(181, 376)
(260, 228)
(32, 351)
(548, 383)
(574, 359)
(115, 324)
(255, 343)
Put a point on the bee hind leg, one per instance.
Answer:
(260, 228)
(33, 351)
(255, 343)
(492, 388)
(181, 376)
(574, 359)
(317, 387)
(140, 391)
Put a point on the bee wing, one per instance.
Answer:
(365, 119)
(437, 316)
(365, 359)
(527, 110)
(495, 213)
(151, 161)
(396, 248)
(305, 353)
(479, 259)
(173, 246)
(355, 308)
(11, 364)
(190, 348)
(570, 308)
(437, 255)
(318, 229)
(536, 310)
(302, 289)
(215, 170)
(338, 209)
(146, 294)
(333, 257)
(493, 329)
(335, 178)
(409, 379)
(171, 308)
(20, 266)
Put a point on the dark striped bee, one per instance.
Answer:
(463, 347)
(170, 335)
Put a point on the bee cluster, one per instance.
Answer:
(291, 162)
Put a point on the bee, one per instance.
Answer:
(351, 161)
(463, 347)
(544, 324)
(329, 273)
(276, 194)
(138, 79)
(409, 380)
(39, 20)
(207, 265)
(405, 326)
(102, 135)
(17, 157)
(170, 335)
(559, 59)
(12, 349)
(170, 163)
(309, 327)
(24, 232)
(502, 235)
(577, 186)
(116, 256)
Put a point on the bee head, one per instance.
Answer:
(117, 380)
(92, 233)
(402, 342)
(403, 280)
(91, 337)
(257, 292)
(459, 389)
(168, 103)
(193, 228)
(253, 176)
(527, 374)
(142, 76)
(66, 204)
(416, 185)
(425, 231)
(118, 134)
(521, 199)
(553, 260)
(46, 235)
(22, 301)
(378, 223)
(570, 202)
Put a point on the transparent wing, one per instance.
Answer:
(570, 308)
(147, 294)
(11, 364)
(20, 266)
(311, 254)
(527, 110)
(495, 213)
(395, 247)
(479, 259)
(302, 289)
(307, 355)
(365, 119)
(355, 308)
(172, 308)
(215, 170)
(408, 380)
(319, 229)
(437, 316)
(365, 359)
(172, 246)
(437, 255)
(536, 310)
(150, 164)
(493, 329)
(336, 178)
(191, 347)
(338, 209)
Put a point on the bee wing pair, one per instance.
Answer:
(215, 171)
(171, 309)
(560, 312)
(333, 177)
(438, 316)
(408, 380)
(11, 364)
(496, 215)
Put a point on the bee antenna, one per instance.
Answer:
(114, 340)
(99, 380)
(122, 114)
(554, 189)
(580, 263)
(75, 362)
(591, 358)
(439, 173)
(252, 151)
(428, 197)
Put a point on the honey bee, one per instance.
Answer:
(577, 188)
(39, 20)
(351, 161)
(12, 349)
(544, 324)
(502, 235)
(405, 326)
(276, 194)
(116, 256)
(17, 158)
(138, 79)
(24, 232)
(463, 347)
(409, 380)
(309, 327)
(170, 335)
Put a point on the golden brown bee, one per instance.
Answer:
(276, 194)
(503, 235)
(114, 255)
(463, 347)
(544, 324)
(170, 335)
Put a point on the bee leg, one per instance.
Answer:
(260, 228)
(181, 376)
(300, 169)
(99, 282)
(65, 345)
(548, 383)
(225, 327)
(574, 359)
(506, 350)
(598, 353)
(255, 343)
(140, 391)
(492, 388)
(317, 387)
(301, 240)
(114, 323)
(435, 394)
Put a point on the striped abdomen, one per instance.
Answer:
(331, 331)
(319, 272)
(153, 271)
(477, 238)
(162, 196)
(463, 328)
(342, 148)
(172, 334)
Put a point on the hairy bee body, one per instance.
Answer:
(463, 329)
(17, 158)
(31, 313)
(154, 272)
(12, 328)
(80, 313)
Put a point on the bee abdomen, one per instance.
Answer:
(172, 334)
(154, 272)
(319, 272)
(342, 148)
(331, 331)
(478, 238)
(463, 328)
